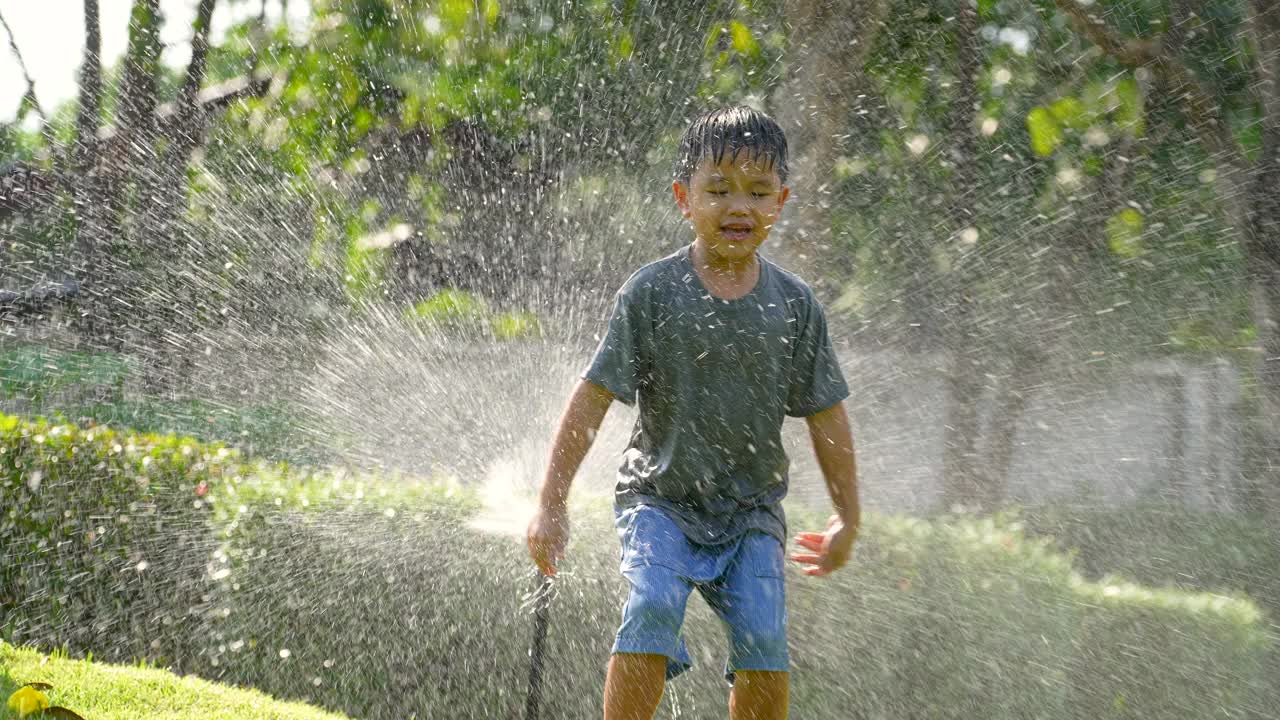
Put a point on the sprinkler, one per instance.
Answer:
(541, 602)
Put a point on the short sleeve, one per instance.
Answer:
(618, 364)
(817, 382)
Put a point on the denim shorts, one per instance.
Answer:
(742, 581)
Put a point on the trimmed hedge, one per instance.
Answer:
(105, 538)
(374, 597)
(1181, 547)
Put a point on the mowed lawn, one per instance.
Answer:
(114, 692)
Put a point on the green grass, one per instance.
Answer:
(115, 692)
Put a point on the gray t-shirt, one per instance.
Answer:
(714, 380)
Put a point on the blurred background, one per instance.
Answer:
(384, 235)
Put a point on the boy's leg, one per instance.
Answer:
(648, 649)
(759, 695)
(751, 599)
(634, 686)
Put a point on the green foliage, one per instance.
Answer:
(16, 144)
(981, 588)
(1128, 110)
(459, 312)
(342, 577)
(1046, 136)
(1071, 113)
(1161, 544)
(96, 521)
(365, 271)
(140, 691)
(34, 373)
(1210, 335)
(959, 618)
(373, 71)
(510, 326)
(1206, 556)
(1113, 104)
(72, 386)
(109, 535)
(1124, 233)
(450, 307)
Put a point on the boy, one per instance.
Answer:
(716, 344)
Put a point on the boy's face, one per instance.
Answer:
(733, 205)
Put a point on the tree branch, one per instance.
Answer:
(187, 112)
(86, 148)
(23, 187)
(31, 84)
(208, 100)
(1136, 52)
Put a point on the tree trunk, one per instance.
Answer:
(127, 172)
(1263, 252)
(1007, 412)
(964, 485)
(172, 271)
(1179, 430)
(964, 481)
(828, 47)
(94, 326)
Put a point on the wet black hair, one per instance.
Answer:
(731, 130)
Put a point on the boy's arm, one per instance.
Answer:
(586, 409)
(833, 445)
(548, 531)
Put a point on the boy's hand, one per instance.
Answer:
(831, 549)
(547, 536)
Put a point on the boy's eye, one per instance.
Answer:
(718, 192)
(762, 194)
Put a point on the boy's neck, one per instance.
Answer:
(729, 271)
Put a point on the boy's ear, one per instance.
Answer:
(783, 194)
(681, 191)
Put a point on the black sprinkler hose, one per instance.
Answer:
(541, 605)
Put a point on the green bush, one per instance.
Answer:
(1206, 553)
(468, 314)
(956, 618)
(373, 596)
(266, 430)
(105, 537)
(936, 619)
(1166, 545)
(1144, 653)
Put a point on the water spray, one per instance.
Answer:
(38, 299)
(506, 510)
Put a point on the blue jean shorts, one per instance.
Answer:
(742, 581)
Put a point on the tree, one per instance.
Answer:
(825, 101)
(963, 480)
(1247, 190)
